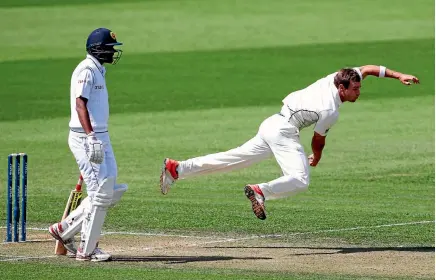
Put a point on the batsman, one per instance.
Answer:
(90, 144)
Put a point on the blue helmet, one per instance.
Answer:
(100, 44)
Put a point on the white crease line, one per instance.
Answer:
(228, 239)
(26, 258)
(310, 232)
(130, 233)
(152, 234)
(27, 241)
(253, 236)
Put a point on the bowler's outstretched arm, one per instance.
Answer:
(381, 71)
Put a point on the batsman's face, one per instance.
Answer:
(352, 93)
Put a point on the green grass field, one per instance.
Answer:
(198, 77)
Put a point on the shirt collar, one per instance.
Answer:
(97, 63)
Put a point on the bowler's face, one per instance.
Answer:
(353, 91)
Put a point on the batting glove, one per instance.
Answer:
(95, 149)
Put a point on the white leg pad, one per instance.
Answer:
(75, 219)
(119, 190)
(93, 222)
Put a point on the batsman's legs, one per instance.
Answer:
(112, 171)
(102, 194)
(91, 214)
(73, 223)
(91, 227)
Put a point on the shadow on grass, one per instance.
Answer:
(180, 259)
(340, 250)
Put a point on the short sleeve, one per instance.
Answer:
(325, 122)
(84, 83)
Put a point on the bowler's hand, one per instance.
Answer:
(408, 79)
(95, 149)
(312, 160)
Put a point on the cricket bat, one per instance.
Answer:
(73, 201)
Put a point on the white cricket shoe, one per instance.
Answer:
(97, 256)
(55, 230)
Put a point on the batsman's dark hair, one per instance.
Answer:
(345, 76)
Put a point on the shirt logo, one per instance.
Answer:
(99, 87)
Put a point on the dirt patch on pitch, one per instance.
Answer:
(254, 254)
(277, 256)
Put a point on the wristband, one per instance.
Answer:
(382, 72)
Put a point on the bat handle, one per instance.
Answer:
(79, 184)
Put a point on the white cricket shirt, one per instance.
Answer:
(89, 82)
(316, 104)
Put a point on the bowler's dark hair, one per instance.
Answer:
(345, 75)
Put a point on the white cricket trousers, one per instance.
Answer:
(275, 137)
(93, 174)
